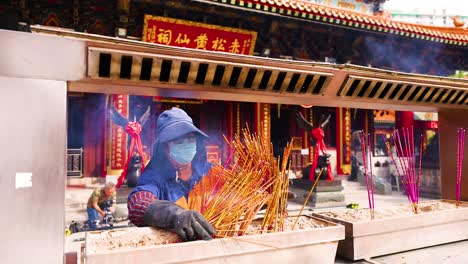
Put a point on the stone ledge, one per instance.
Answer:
(328, 188)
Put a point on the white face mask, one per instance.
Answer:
(183, 150)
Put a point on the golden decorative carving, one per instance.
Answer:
(296, 143)
(347, 129)
(265, 120)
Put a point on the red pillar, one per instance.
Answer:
(404, 119)
(93, 138)
(118, 136)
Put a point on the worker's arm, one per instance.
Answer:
(137, 204)
(96, 206)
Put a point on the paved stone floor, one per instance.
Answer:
(453, 253)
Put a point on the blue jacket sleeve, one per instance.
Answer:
(147, 183)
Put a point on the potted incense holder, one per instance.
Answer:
(313, 241)
(375, 232)
(399, 228)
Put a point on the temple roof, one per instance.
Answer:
(94, 63)
(346, 18)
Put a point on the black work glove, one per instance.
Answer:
(189, 225)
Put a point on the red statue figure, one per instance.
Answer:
(321, 161)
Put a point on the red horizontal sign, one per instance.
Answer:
(194, 35)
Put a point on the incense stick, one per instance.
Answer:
(409, 173)
(366, 150)
(461, 132)
(307, 199)
(254, 179)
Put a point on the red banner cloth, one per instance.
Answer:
(194, 35)
(320, 148)
(133, 129)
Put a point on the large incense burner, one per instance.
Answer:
(256, 179)
(313, 241)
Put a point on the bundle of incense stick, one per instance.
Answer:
(461, 132)
(405, 163)
(275, 214)
(366, 150)
(255, 179)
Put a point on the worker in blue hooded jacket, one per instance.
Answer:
(172, 190)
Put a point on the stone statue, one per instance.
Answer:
(321, 162)
(135, 160)
(134, 170)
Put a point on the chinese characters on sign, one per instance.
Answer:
(119, 136)
(188, 34)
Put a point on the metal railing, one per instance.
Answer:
(75, 162)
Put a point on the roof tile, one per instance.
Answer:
(450, 33)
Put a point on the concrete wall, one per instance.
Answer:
(43, 57)
(33, 141)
